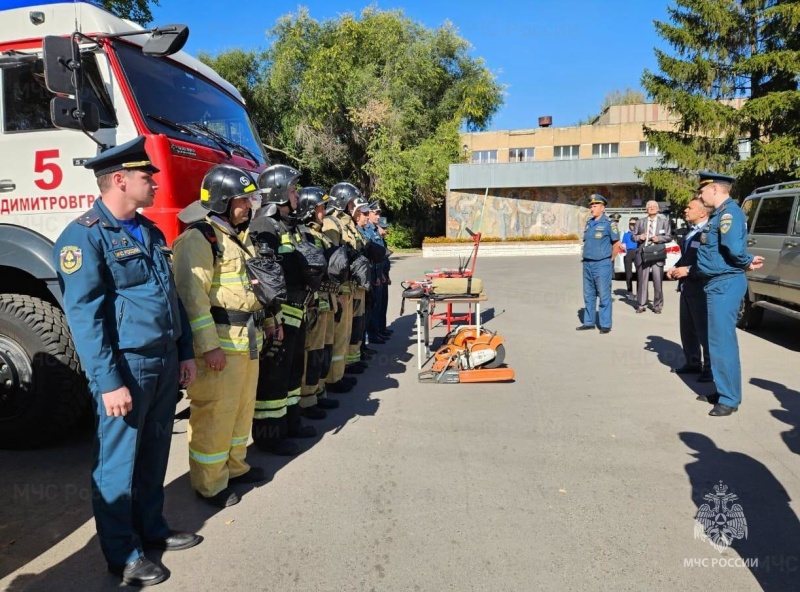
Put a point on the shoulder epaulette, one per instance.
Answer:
(89, 218)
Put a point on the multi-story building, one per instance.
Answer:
(535, 181)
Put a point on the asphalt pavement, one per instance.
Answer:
(585, 473)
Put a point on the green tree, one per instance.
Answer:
(732, 83)
(137, 11)
(377, 100)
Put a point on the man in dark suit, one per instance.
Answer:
(654, 228)
(693, 311)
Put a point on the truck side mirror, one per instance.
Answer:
(61, 62)
(165, 41)
(66, 114)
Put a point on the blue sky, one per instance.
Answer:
(556, 58)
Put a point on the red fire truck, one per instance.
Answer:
(74, 80)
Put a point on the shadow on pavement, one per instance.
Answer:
(790, 414)
(772, 531)
(670, 354)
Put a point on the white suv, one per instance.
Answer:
(673, 250)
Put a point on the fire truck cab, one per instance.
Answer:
(74, 80)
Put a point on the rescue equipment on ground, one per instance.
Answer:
(469, 356)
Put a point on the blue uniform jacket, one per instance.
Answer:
(723, 243)
(119, 294)
(598, 236)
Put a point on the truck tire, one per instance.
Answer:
(749, 316)
(43, 391)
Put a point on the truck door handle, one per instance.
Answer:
(7, 185)
(751, 242)
(790, 243)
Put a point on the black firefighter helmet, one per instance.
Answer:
(275, 182)
(342, 194)
(222, 184)
(308, 199)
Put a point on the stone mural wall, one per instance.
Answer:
(547, 211)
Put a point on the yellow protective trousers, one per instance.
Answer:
(315, 357)
(357, 328)
(341, 339)
(221, 407)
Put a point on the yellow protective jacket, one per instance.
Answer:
(205, 280)
(326, 298)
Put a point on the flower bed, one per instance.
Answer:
(516, 248)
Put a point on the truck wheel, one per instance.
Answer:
(43, 391)
(749, 316)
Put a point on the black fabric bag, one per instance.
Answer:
(375, 252)
(361, 269)
(339, 266)
(313, 263)
(653, 253)
(267, 280)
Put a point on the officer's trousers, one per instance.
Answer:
(357, 331)
(221, 413)
(341, 339)
(131, 453)
(280, 375)
(317, 357)
(376, 322)
(694, 324)
(597, 284)
(723, 297)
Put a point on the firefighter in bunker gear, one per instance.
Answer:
(312, 202)
(277, 411)
(228, 328)
(340, 228)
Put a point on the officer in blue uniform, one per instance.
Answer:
(135, 345)
(600, 246)
(722, 260)
(693, 313)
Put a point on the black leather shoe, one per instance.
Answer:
(351, 380)
(140, 573)
(369, 351)
(705, 376)
(721, 410)
(338, 387)
(254, 475)
(688, 369)
(303, 432)
(385, 334)
(327, 403)
(604, 330)
(314, 413)
(376, 340)
(282, 447)
(657, 311)
(354, 369)
(175, 541)
(224, 499)
(641, 309)
(584, 328)
(713, 399)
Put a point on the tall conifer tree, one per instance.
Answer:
(732, 82)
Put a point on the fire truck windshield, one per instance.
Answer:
(177, 102)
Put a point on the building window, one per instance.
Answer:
(566, 152)
(520, 154)
(605, 150)
(647, 149)
(484, 156)
(744, 149)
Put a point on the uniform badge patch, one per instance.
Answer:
(70, 259)
(614, 227)
(725, 223)
(703, 238)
